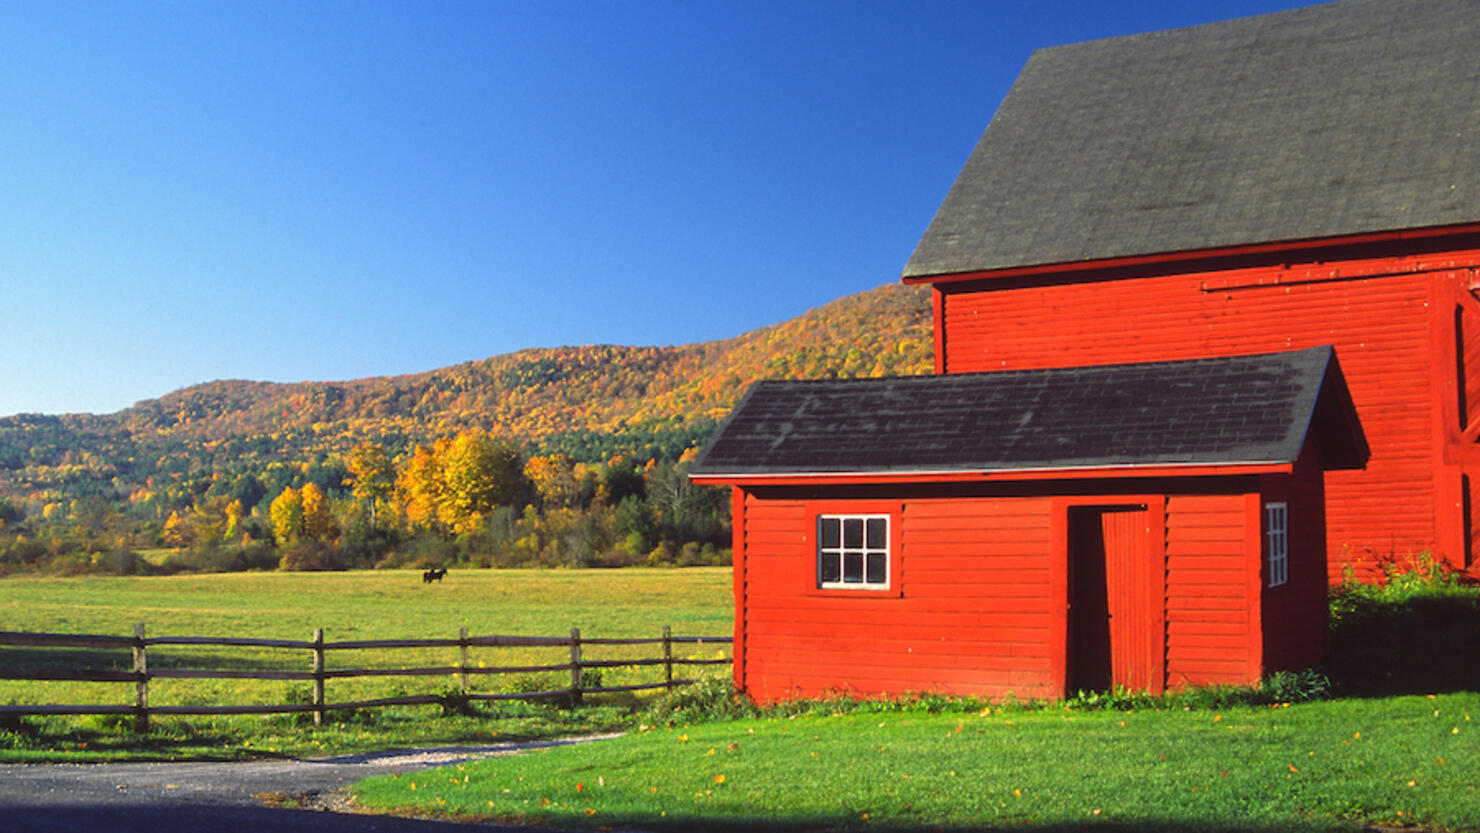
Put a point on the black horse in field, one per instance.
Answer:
(432, 575)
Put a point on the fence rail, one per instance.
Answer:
(319, 674)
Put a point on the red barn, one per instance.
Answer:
(1034, 532)
(1269, 183)
(1138, 465)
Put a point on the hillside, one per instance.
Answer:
(236, 437)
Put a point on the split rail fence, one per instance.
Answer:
(319, 674)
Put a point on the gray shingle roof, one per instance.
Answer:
(1247, 409)
(1348, 118)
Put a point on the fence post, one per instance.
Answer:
(668, 657)
(141, 683)
(575, 666)
(462, 657)
(318, 676)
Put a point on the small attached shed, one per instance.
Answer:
(1034, 532)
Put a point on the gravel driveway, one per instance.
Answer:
(250, 797)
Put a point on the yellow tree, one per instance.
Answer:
(177, 533)
(318, 521)
(235, 512)
(209, 518)
(553, 476)
(419, 487)
(286, 514)
(372, 477)
(479, 473)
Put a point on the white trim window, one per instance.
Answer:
(853, 552)
(1277, 542)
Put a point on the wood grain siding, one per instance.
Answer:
(971, 613)
(1208, 614)
(1379, 314)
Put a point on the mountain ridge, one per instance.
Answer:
(585, 401)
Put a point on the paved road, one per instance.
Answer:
(246, 797)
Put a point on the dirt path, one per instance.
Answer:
(250, 796)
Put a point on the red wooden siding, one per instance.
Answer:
(1413, 368)
(1294, 614)
(1209, 615)
(981, 604)
(974, 616)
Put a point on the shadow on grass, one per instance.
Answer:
(229, 819)
(1423, 645)
(805, 824)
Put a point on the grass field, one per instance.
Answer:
(1334, 765)
(1399, 762)
(348, 606)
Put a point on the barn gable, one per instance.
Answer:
(1310, 177)
(1345, 119)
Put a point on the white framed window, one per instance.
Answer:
(1277, 543)
(853, 552)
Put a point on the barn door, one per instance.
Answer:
(1460, 409)
(1115, 632)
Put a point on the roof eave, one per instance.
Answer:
(1124, 470)
(1189, 256)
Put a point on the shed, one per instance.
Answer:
(1033, 532)
(1274, 182)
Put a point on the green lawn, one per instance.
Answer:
(376, 604)
(1398, 761)
(1317, 766)
(348, 606)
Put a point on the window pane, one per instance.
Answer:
(853, 566)
(878, 533)
(832, 567)
(831, 532)
(878, 568)
(853, 533)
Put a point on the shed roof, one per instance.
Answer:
(1245, 410)
(1350, 118)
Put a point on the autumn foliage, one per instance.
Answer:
(551, 451)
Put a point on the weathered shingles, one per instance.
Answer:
(1352, 117)
(1245, 409)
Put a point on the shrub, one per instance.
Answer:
(1296, 686)
(1406, 634)
(1404, 582)
(311, 556)
(454, 701)
(711, 698)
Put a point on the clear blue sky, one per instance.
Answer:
(313, 190)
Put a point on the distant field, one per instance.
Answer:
(348, 606)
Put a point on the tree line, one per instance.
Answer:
(469, 499)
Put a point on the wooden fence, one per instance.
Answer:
(319, 673)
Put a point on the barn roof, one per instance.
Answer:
(1245, 410)
(1349, 118)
